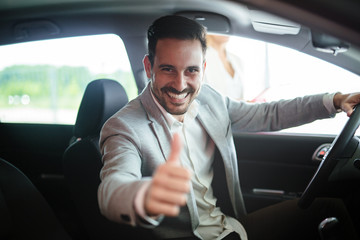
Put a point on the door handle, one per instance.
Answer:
(271, 192)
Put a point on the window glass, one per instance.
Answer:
(269, 72)
(43, 81)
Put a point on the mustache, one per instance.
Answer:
(173, 90)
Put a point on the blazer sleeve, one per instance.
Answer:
(277, 115)
(120, 176)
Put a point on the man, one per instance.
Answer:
(169, 156)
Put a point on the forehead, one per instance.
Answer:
(177, 50)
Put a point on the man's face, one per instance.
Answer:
(177, 73)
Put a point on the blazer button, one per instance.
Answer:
(125, 217)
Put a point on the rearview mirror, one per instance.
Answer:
(329, 44)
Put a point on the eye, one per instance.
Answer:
(193, 69)
(167, 69)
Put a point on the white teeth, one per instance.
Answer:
(177, 96)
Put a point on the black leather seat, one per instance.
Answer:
(82, 160)
(24, 213)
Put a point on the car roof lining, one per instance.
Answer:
(94, 18)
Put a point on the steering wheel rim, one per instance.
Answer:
(329, 161)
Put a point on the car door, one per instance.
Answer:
(276, 166)
(39, 100)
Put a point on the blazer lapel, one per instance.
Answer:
(218, 133)
(215, 130)
(157, 122)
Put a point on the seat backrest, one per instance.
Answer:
(102, 98)
(82, 159)
(24, 212)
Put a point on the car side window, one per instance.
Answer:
(270, 72)
(43, 81)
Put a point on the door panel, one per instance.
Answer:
(36, 149)
(274, 167)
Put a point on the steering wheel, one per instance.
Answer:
(329, 161)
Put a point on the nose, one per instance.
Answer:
(180, 82)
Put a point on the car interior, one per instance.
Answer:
(102, 98)
(33, 218)
(49, 172)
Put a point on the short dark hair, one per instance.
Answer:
(174, 26)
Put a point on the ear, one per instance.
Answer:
(147, 66)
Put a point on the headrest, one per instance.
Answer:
(102, 99)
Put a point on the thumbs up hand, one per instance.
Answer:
(169, 185)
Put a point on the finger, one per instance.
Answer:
(349, 112)
(156, 208)
(161, 201)
(350, 103)
(348, 109)
(176, 147)
(179, 183)
(168, 197)
(167, 171)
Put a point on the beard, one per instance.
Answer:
(174, 108)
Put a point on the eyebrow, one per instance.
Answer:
(166, 66)
(194, 67)
(171, 66)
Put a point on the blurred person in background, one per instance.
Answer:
(224, 70)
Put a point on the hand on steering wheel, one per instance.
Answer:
(329, 161)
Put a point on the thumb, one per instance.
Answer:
(176, 147)
(348, 109)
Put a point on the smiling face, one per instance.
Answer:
(176, 74)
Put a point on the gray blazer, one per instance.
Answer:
(137, 139)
